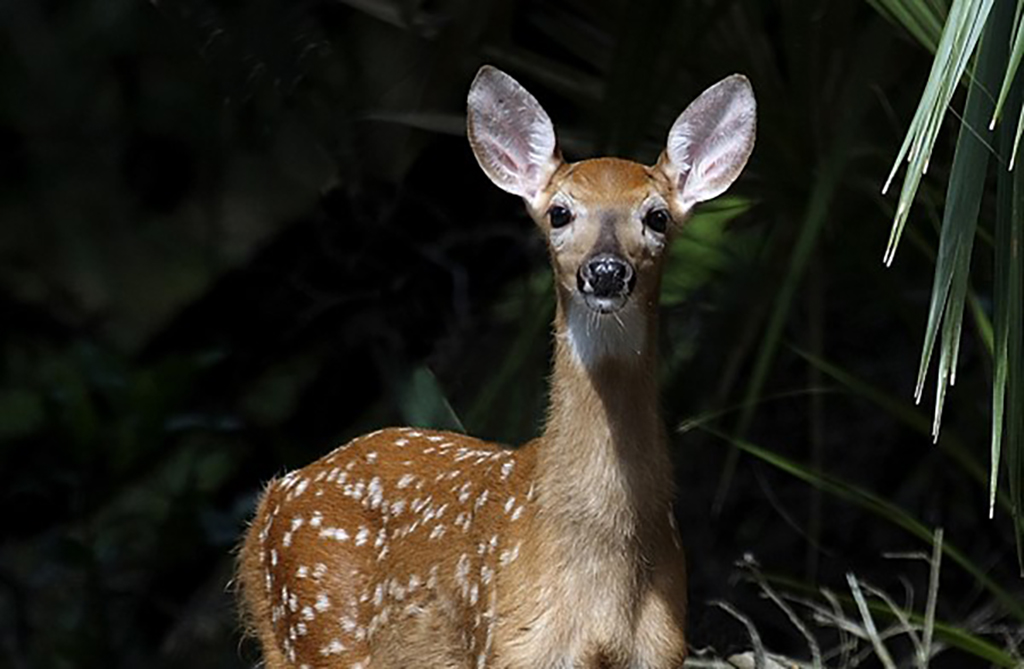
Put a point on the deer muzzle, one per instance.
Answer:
(605, 281)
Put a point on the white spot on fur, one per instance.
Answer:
(507, 557)
(335, 647)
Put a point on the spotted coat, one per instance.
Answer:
(342, 542)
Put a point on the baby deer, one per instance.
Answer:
(416, 548)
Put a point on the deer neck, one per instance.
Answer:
(604, 467)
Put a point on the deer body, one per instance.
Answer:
(416, 548)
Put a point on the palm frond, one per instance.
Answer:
(960, 36)
(1008, 363)
(997, 25)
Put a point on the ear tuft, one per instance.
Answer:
(710, 142)
(510, 133)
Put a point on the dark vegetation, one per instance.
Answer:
(236, 234)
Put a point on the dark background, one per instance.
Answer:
(236, 234)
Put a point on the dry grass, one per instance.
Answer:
(872, 628)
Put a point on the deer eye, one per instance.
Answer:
(559, 216)
(657, 220)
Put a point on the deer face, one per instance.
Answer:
(608, 221)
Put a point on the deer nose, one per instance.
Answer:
(606, 275)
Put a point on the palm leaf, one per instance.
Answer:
(960, 220)
(1008, 364)
(921, 19)
(1011, 68)
(959, 38)
(996, 69)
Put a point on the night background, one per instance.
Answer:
(234, 235)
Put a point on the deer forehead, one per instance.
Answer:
(607, 197)
(608, 183)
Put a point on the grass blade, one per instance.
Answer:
(829, 175)
(869, 623)
(755, 637)
(883, 509)
(812, 644)
(423, 402)
(951, 634)
(933, 596)
(910, 416)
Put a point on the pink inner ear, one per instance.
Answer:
(709, 167)
(504, 158)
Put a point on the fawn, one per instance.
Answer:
(418, 548)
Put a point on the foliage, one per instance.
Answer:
(236, 234)
(995, 25)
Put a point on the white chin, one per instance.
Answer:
(603, 328)
(605, 305)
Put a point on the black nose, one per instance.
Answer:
(605, 275)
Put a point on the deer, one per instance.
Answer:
(412, 547)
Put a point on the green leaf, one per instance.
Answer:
(996, 68)
(921, 19)
(701, 250)
(1008, 362)
(422, 402)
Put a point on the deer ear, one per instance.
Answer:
(710, 142)
(511, 134)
